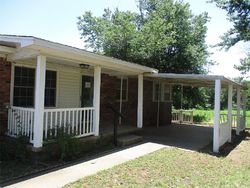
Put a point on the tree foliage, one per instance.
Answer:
(244, 66)
(163, 34)
(238, 12)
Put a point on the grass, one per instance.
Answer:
(207, 116)
(173, 167)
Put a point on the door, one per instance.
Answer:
(87, 91)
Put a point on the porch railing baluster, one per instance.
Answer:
(79, 121)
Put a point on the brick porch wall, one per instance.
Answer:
(129, 108)
(108, 95)
(5, 78)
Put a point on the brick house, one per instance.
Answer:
(44, 85)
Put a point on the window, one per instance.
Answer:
(166, 92)
(124, 92)
(24, 87)
(24, 82)
(157, 91)
(161, 92)
(50, 89)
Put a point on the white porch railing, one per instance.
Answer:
(224, 129)
(76, 121)
(223, 118)
(224, 133)
(182, 116)
(21, 122)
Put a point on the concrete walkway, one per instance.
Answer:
(70, 174)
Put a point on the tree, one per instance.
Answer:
(244, 66)
(238, 12)
(164, 35)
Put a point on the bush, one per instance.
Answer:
(66, 145)
(198, 118)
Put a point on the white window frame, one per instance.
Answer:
(162, 91)
(123, 78)
(22, 64)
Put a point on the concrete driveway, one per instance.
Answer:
(191, 137)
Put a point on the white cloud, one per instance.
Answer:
(227, 59)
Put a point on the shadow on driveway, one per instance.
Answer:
(191, 137)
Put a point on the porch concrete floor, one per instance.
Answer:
(191, 137)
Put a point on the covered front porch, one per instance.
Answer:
(76, 100)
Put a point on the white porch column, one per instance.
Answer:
(140, 102)
(216, 129)
(244, 100)
(96, 101)
(229, 110)
(238, 110)
(39, 101)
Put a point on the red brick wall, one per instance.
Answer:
(5, 77)
(129, 108)
(108, 95)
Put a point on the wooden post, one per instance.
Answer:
(229, 109)
(238, 111)
(96, 100)
(216, 136)
(39, 101)
(140, 102)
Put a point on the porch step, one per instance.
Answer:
(128, 140)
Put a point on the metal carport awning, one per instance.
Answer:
(221, 131)
(196, 80)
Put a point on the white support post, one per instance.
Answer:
(244, 100)
(140, 102)
(238, 111)
(120, 110)
(229, 109)
(39, 101)
(96, 100)
(216, 136)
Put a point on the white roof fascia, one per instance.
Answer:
(22, 41)
(100, 58)
(46, 47)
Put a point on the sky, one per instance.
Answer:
(55, 20)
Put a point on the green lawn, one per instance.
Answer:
(208, 115)
(173, 167)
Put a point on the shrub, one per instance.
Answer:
(198, 118)
(66, 145)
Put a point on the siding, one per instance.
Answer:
(68, 83)
(68, 89)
